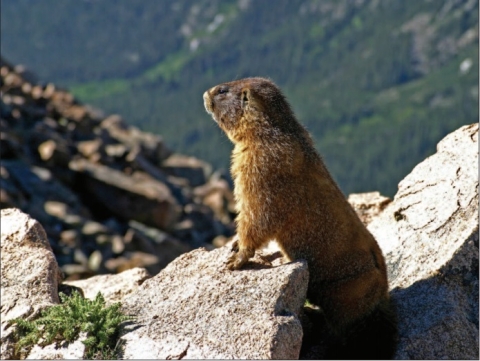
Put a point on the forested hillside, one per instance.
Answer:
(378, 83)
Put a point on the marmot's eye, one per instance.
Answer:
(222, 90)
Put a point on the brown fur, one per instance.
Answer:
(283, 191)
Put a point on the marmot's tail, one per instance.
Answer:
(372, 338)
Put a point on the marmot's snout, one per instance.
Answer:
(208, 103)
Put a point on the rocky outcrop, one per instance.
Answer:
(196, 308)
(30, 273)
(109, 196)
(429, 235)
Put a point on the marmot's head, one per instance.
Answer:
(252, 108)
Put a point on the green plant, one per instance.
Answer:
(65, 322)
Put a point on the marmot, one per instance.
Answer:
(284, 192)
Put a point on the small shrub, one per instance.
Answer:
(65, 322)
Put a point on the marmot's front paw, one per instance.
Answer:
(235, 262)
(239, 258)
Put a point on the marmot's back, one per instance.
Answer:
(284, 192)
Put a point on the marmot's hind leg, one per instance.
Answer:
(374, 337)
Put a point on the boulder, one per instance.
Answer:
(147, 201)
(196, 308)
(429, 235)
(193, 169)
(29, 271)
(368, 205)
(152, 146)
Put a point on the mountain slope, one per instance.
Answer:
(378, 83)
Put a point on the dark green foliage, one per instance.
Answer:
(376, 96)
(64, 322)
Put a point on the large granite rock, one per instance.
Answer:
(196, 308)
(429, 235)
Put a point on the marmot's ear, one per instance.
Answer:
(246, 96)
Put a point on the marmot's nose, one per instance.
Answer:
(207, 102)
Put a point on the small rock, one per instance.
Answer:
(80, 257)
(95, 261)
(91, 228)
(118, 244)
(73, 220)
(116, 150)
(70, 237)
(55, 208)
(88, 148)
(77, 271)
